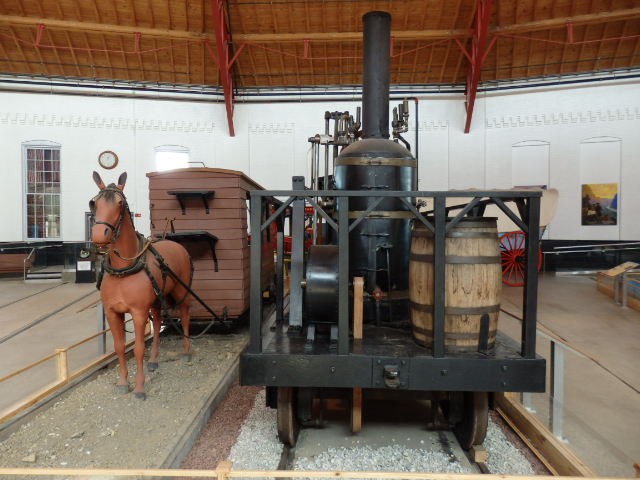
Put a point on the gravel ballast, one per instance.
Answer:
(258, 448)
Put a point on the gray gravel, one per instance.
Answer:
(390, 458)
(504, 457)
(258, 447)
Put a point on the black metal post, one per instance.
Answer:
(280, 270)
(343, 275)
(439, 281)
(530, 305)
(255, 303)
(297, 256)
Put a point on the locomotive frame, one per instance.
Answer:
(280, 357)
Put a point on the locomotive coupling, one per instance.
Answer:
(391, 376)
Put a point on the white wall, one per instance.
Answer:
(271, 145)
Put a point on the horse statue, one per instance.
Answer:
(139, 276)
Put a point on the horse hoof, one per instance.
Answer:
(140, 395)
(123, 388)
(187, 357)
(152, 366)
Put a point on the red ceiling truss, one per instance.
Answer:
(477, 56)
(223, 60)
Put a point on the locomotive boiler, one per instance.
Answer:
(375, 304)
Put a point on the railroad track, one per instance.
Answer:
(390, 440)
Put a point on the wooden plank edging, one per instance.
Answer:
(223, 471)
(57, 385)
(555, 455)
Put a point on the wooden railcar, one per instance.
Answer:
(205, 209)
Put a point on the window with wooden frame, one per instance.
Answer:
(41, 167)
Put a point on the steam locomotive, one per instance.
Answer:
(390, 297)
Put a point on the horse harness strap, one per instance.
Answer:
(125, 208)
(164, 268)
(135, 267)
(141, 264)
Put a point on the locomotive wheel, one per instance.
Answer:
(472, 429)
(288, 426)
(512, 253)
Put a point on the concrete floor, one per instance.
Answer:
(36, 318)
(600, 415)
(601, 410)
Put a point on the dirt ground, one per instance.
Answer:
(94, 426)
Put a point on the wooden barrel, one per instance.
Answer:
(473, 280)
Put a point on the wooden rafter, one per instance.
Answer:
(20, 49)
(5, 58)
(347, 36)
(561, 22)
(265, 38)
(304, 44)
(72, 25)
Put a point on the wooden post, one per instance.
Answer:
(637, 467)
(356, 402)
(222, 469)
(358, 294)
(63, 364)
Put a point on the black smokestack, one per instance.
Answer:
(375, 85)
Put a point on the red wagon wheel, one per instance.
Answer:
(512, 251)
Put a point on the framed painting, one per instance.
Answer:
(600, 204)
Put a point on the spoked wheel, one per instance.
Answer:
(288, 426)
(472, 428)
(514, 258)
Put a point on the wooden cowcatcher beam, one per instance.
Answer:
(223, 61)
(477, 55)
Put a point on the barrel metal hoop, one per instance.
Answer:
(421, 307)
(377, 161)
(424, 233)
(447, 335)
(457, 259)
(397, 214)
(472, 310)
(491, 235)
(481, 310)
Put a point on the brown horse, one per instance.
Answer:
(136, 279)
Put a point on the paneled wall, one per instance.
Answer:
(560, 137)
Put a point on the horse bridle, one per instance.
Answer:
(125, 207)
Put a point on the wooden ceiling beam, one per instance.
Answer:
(87, 27)
(561, 22)
(348, 36)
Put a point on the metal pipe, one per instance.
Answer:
(375, 87)
(315, 175)
(313, 166)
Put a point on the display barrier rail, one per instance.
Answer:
(64, 375)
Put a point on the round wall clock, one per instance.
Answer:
(108, 159)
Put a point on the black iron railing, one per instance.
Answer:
(439, 221)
